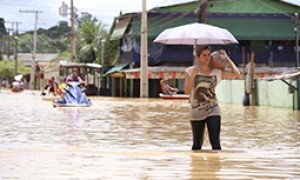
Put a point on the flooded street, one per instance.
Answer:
(120, 138)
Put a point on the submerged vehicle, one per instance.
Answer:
(74, 97)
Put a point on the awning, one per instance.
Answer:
(69, 64)
(157, 72)
(116, 68)
(120, 28)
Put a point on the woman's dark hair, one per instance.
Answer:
(200, 48)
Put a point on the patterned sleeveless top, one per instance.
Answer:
(203, 100)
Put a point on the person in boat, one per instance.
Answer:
(51, 87)
(166, 88)
(73, 93)
(62, 87)
(18, 84)
(201, 81)
(74, 77)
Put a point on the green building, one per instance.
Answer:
(265, 27)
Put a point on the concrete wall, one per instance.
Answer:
(267, 93)
(231, 91)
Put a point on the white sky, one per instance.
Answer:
(104, 10)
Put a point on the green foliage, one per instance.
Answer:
(90, 35)
(87, 54)
(52, 40)
(2, 28)
(111, 49)
(7, 69)
(25, 43)
(57, 39)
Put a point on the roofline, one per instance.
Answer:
(290, 3)
(177, 4)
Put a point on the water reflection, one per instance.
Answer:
(119, 138)
(204, 166)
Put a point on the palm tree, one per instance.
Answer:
(91, 33)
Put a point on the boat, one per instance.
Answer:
(17, 85)
(74, 97)
(173, 96)
(17, 89)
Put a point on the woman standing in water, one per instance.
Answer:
(201, 81)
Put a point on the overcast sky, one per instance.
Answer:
(104, 10)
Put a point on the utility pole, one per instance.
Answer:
(73, 40)
(13, 32)
(32, 74)
(296, 30)
(63, 11)
(144, 53)
(17, 47)
(8, 44)
(102, 63)
(16, 38)
(202, 10)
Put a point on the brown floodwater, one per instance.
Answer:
(122, 138)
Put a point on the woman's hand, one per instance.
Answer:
(224, 53)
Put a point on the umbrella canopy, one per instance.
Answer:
(195, 34)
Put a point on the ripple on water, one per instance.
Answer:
(122, 138)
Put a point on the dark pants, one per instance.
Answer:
(213, 127)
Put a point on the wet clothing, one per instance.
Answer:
(213, 127)
(203, 100)
(53, 87)
(73, 79)
(62, 87)
(204, 108)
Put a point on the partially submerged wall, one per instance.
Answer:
(267, 93)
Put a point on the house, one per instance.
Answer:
(41, 61)
(265, 27)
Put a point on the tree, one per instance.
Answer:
(111, 48)
(90, 35)
(52, 40)
(2, 28)
(7, 69)
(3, 37)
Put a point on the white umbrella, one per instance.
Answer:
(195, 34)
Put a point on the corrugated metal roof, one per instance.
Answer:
(120, 28)
(38, 57)
(257, 29)
(235, 6)
(116, 68)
